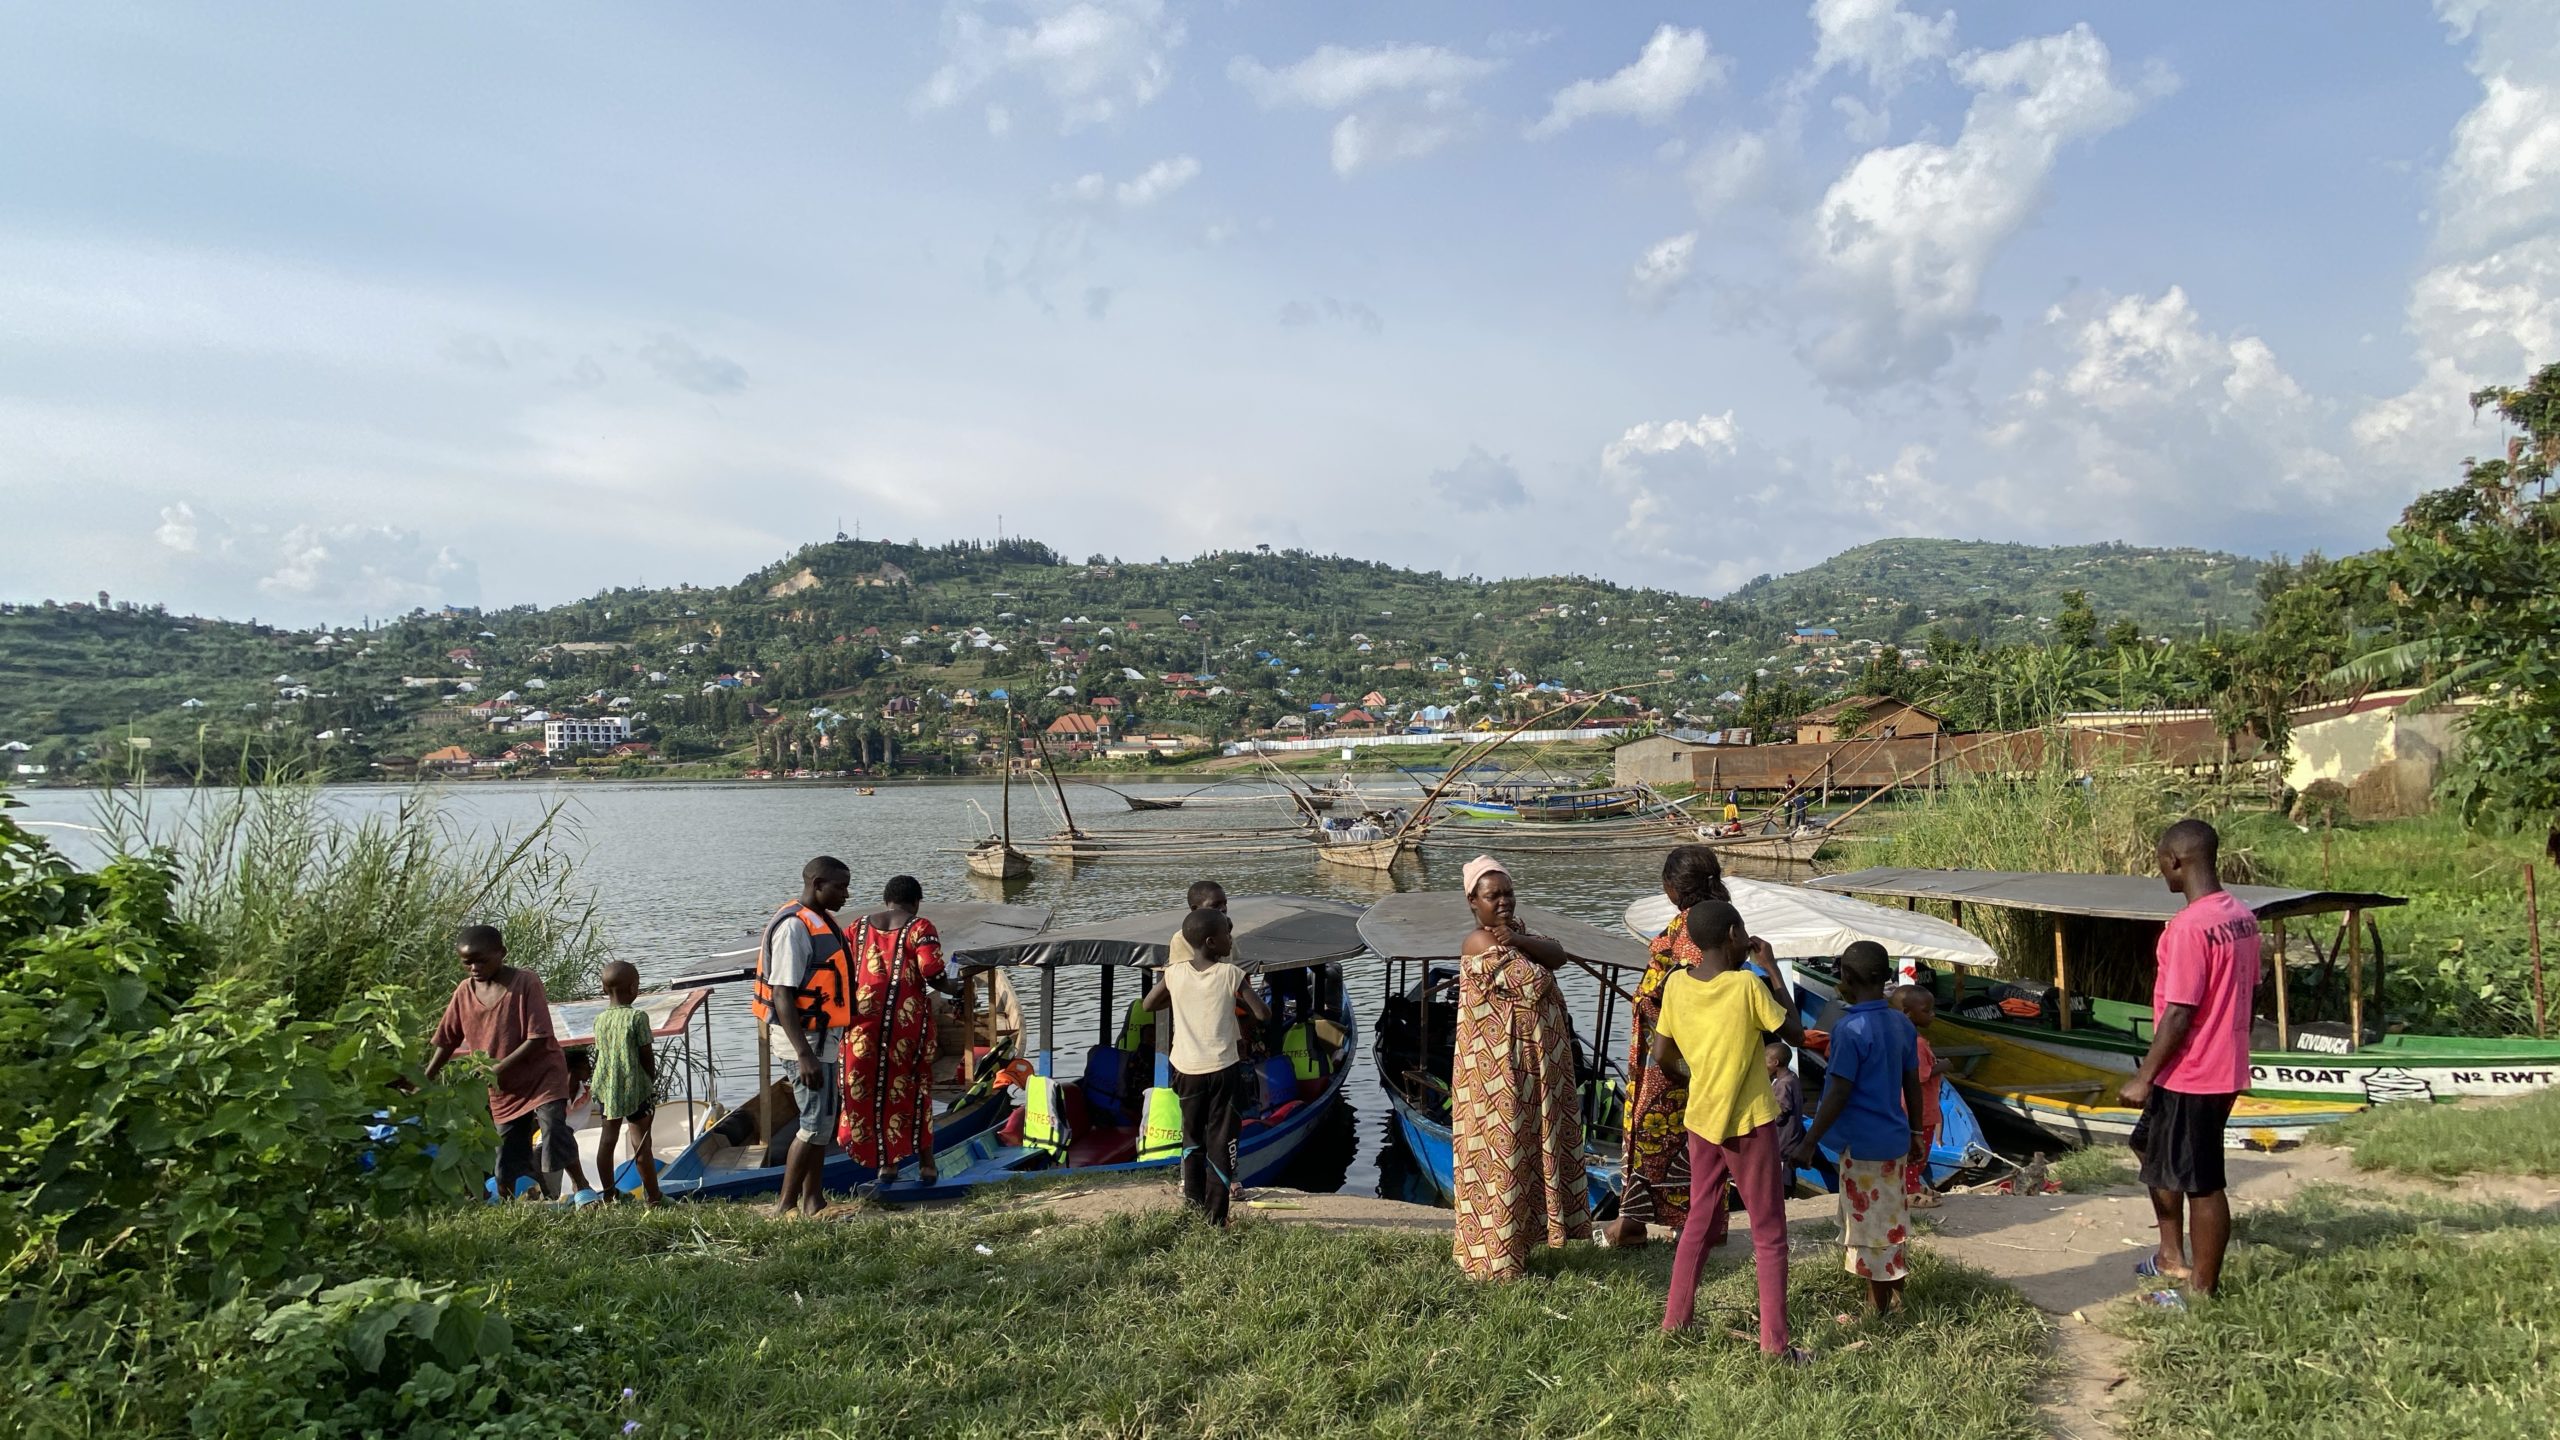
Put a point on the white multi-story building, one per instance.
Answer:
(570, 734)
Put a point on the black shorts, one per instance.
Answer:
(2179, 1139)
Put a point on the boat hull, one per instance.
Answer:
(1263, 1150)
(999, 862)
(691, 1175)
(1362, 854)
(1434, 1155)
(2388, 1070)
(2073, 1101)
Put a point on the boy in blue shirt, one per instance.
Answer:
(1872, 1099)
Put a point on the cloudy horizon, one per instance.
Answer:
(312, 313)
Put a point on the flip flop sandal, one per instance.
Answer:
(1794, 1357)
(2148, 1268)
(2165, 1300)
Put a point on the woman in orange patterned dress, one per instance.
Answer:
(1657, 1143)
(1515, 1134)
(889, 1047)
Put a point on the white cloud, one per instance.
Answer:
(1714, 434)
(1662, 270)
(1482, 479)
(1298, 314)
(1675, 66)
(1095, 60)
(1901, 241)
(1157, 181)
(1402, 102)
(368, 569)
(2144, 418)
(178, 530)
(999, 121)
(2487, 310)
(1864, 123)
(1878, 37)
(1733, 169)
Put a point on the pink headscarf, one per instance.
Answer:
(1480, 867)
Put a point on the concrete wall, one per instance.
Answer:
(2388, 761)
(1654, 760)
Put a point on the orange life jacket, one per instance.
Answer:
(826, 999)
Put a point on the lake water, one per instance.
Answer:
(686, 871)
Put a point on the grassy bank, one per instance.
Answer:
(2354, 1318)
(2446, 1142)
(1009, 1324)
(2457, 955)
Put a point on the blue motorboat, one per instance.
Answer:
(1277, 938)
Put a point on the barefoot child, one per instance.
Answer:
(1714, 1017)
(1870, 1097)
(1201, 989)
(1920, 1007)
(626, 1081)
(1789, 1090)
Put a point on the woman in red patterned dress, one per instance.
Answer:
(1657, 1137)
(889, 1047)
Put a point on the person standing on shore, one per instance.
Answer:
(502, 1011)
(1657, 1142)
(1515, 1133)
(626, 1082)
(1872, 1099)
(803, 991)
(2198, 1062)
(1200, 993)
(1715, 1017)
(887, 1062)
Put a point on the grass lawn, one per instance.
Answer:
(890, 1325)
(2352, 1318)
(2094, 1167)
(2506, 1137)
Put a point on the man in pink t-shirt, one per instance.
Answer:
(2199, 1058)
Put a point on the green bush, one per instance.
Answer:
(177, 1142)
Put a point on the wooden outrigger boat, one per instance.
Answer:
(994, 857)
(1548, 807)
(1808, 927)
(741, 1154)
(1272, 934)
(2324, 1061)
(1419, 934)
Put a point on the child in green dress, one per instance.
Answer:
(626, 1081)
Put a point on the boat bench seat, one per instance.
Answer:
(1962, 1052)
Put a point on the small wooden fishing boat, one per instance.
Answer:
(1419, 935)
(994, 857)
(864, 790)
(741, 1155)
(1273, 935)
(1361, 854)
(2342, 1058)
(1548, 807)
(1795, 847)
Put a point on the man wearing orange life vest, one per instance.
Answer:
(801, 990)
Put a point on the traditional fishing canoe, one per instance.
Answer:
(1273, 935)
(1362, 854)
(2315, 1061)
(997, 860)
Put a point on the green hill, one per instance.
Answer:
(864, 652)
(1978, 589)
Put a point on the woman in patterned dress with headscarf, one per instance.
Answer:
(1515, 1132)
(889, 1047)
(1657, 1138)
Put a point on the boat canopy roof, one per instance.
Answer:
(1272, 932)
(1799, 922)
(1431, 925)
(2112, 897)
(962, 924)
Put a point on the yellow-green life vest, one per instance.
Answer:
(1044, 1124)
(1305, 1056)
(1160, 1128)
(1132, 1040)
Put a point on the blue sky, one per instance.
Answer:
(314, 311)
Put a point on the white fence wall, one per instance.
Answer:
(1453, 737)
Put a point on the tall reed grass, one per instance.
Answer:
(2104, 822)
(320, 904)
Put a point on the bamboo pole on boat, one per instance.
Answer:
(2284, 985)
(2533, 936)
(2061, 974)
(2355, 980)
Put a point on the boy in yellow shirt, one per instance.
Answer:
(1715, 1023)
